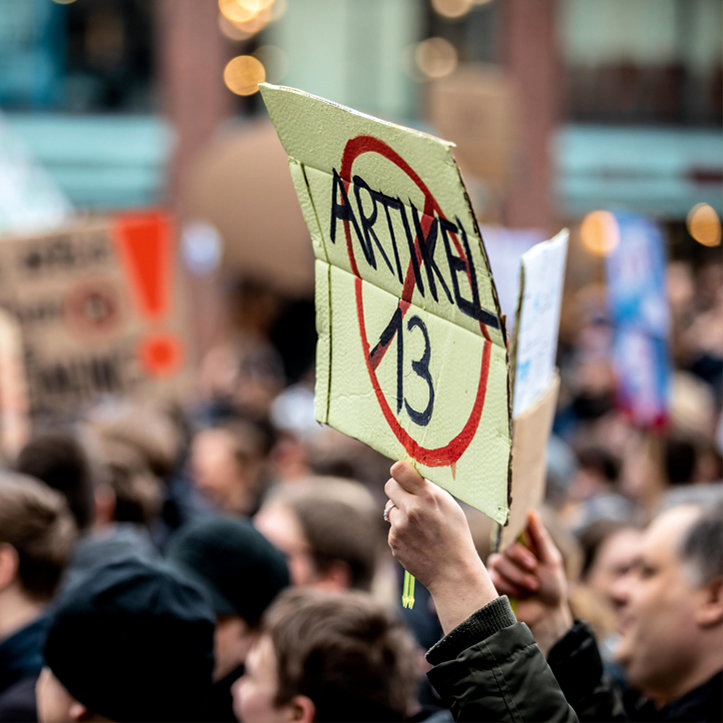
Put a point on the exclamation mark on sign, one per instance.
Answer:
(146, 249)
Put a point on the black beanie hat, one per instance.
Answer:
(238, 567)
(133, 642)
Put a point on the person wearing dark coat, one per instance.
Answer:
(487, 667)
(36, 535)
(241, 573)
(671, 632)
(130, 641)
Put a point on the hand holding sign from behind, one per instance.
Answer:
(430, 537)
(533, 574)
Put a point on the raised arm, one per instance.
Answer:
(488, 666)
(430, 537)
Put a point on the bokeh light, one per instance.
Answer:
(63, 2)
(243, 74)
(257, 23)
(452, 8)
(232, 30)
(436, 57)
(704, 225)
(236, 11)
(600, 233)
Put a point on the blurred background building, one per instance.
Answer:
(558, 108)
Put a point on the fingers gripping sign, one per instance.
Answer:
(430, 537)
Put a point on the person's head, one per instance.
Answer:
(242, 573)
(228, 463)
(328, 532)
(609, 549)
(597, 472)
(150, 427)
(325, 657)
(134, 492)
(672, 612)
(130, 641)
(59, 459)
(36, 537)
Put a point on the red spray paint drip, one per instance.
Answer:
(145, 244)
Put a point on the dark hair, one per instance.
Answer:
(680, 455)
(601, 461)
(344, 651)
(35, 520)
(138, 492)
(594, 535)
(60, 460)
(337, 530)
(702, 544)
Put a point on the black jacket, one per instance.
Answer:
(21, 659)
(704, 704)
(489, 668)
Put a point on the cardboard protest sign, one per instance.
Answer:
(542, 275)
(411, 357)
(531, 430)
(505, 247)
(535, 379)
(97, 304)
(638, 307)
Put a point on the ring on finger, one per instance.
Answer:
(387, 509)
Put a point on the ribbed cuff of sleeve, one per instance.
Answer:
(494, 616)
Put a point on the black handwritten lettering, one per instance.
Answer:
(426, 246)
(397, 205)
(444, 281)
(421, 367)
(367, 222)
(343, 212)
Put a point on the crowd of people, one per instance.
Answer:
(229, 560)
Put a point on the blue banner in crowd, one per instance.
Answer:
(638, 307)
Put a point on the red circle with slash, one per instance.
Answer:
(451, 452)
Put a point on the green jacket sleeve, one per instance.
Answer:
(489, 668)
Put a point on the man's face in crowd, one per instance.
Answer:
(217, 473)
(613, 561)
(253, 693)
(278, 523)
(657, 620)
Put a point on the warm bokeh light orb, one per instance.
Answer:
(243, 74)
(436, 57)
(257, 23)
(704, 225)
(232, 30)
(452, 8)
(600, 233)
(236, 11)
